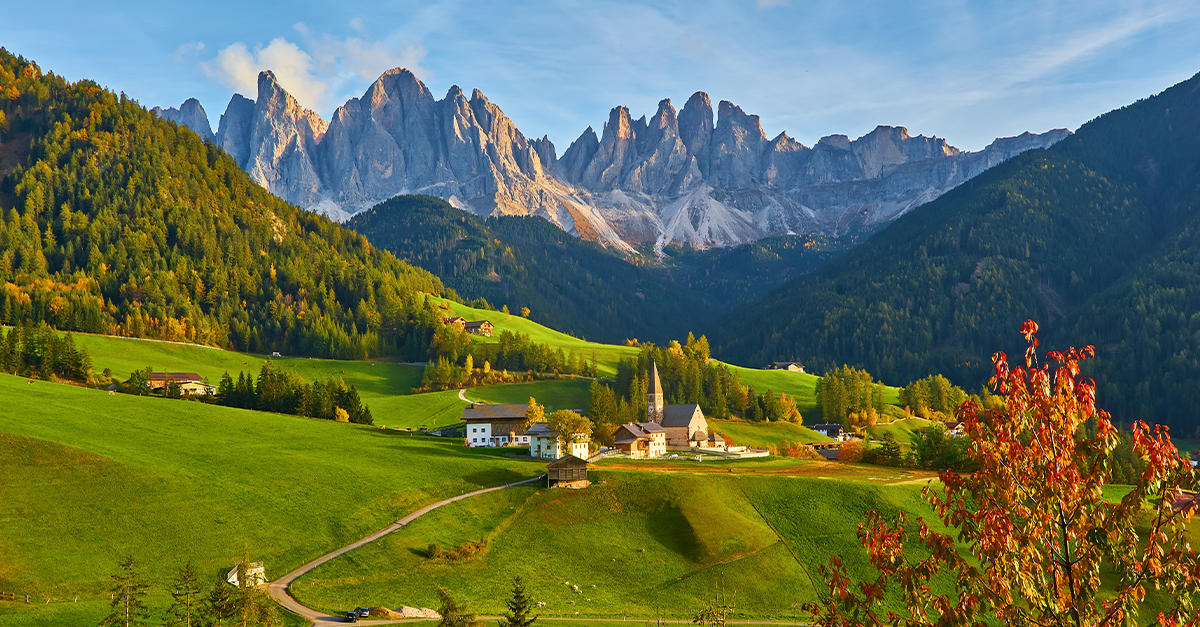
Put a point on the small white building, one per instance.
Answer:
(256, 574)
(495, 425)
(544, 443)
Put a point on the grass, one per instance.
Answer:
(90, 477)
(760, 434)
(634, 543)
(559, 394)
(606, 355)
(905, 430)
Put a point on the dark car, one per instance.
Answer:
(363, 612)
(351, 616)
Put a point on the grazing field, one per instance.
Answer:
(905, 431)
(560, 394)
(606, 355)
(635, 543)
(760, 434)
(90, 477)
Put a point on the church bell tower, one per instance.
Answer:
(654, 396)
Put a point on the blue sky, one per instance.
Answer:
(966, 71)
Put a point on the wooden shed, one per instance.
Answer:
(567, 472)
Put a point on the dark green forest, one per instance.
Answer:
(1095, 238)
(578, 286)
(113, 221)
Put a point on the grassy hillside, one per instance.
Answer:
(903, 430)
(113, 473)
(647, 542)
(761, 434)
(567, 394)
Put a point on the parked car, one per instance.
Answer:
(351, 616)
(363, 612)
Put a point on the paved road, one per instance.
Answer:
(279, 588)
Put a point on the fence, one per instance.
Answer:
(9, 596)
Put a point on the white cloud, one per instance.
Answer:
(319, 71)
(187, 50)
(357, 24)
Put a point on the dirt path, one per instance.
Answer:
(462, 394)
(279, 587)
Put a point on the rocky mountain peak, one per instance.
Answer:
(189, 114)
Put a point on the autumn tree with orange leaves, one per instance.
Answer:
(1032, 529)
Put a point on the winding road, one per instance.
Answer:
(279, 588)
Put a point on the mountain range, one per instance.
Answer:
(685, 177)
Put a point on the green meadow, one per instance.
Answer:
(760, 434)
(91, 477)
(905, 431)
(636, 544)
(554, 394)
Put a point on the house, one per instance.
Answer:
(567, 472)
(188, 382)
(641, 440)
(478, 327)
(256, 574)
(956, 429)
(828, 430)
(457, 321)
(544, 443)
(495, 425)
(792, 366)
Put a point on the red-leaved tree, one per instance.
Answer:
(1035, 541)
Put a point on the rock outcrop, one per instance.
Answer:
(189, 114)
(679, 177)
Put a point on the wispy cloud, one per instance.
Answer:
(318, 70)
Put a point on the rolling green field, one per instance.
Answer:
(634, 543)
(903, 430)
(90, 477)
(760, 434)
(563, 394)
(607, 355)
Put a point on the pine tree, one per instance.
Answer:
(128, 592)
(454, 614)
(185, 592)
(518, 607)
(218, 607)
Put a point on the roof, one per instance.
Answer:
(680, 415)
(787, 363)
(822, 427)
(494, 412)
(655, 386)
(177, 377)
(716, 437)
(540, 429)
(950, 426)
(637, 431)
(454, 319)
(567, 461)
(475, 324)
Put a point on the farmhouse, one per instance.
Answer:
(495, 425)
(567, 472)
(641, 440)
(544, 443)
(828, 430)
(457, 321)
(188, 382)
(956, 429)
(478, 327)
(793, 366)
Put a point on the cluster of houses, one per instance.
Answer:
(189, 383)
(667, 428)
(475, 327)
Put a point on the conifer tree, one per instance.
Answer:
(185, 593)
(455, 614)
(518, 607)
(128, 592)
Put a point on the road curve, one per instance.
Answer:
(279, 588)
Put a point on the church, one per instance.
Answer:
(685, 424)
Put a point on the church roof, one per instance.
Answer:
(680, 415)
(655, 386)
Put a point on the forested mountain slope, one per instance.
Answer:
(114, 221)
(578, 286)
(1094, 237)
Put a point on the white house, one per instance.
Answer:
(544, 443)
(495, 425)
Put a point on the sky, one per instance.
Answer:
(963, 70)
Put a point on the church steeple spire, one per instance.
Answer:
(654, 396)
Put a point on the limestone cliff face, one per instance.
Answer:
(189, 114)
(679, 177)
